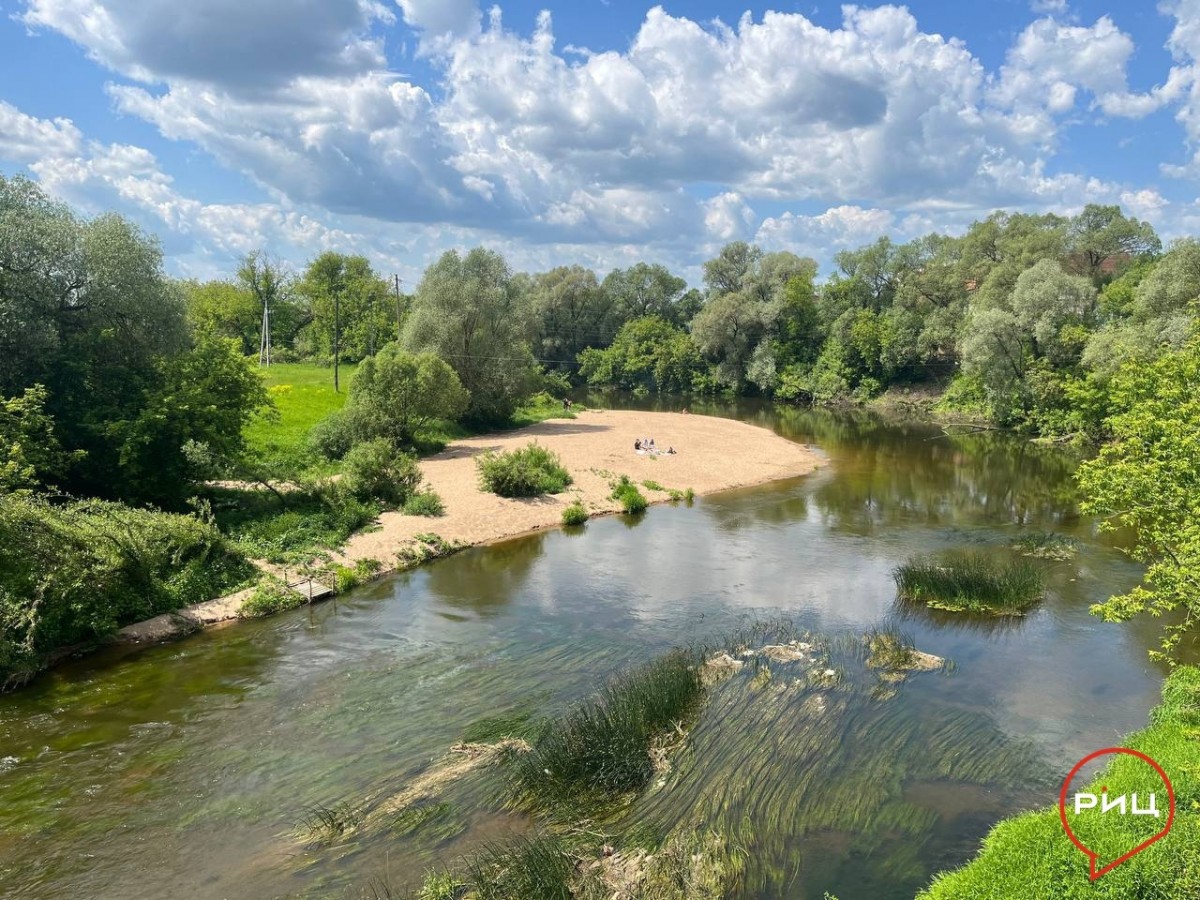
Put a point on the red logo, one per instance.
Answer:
(1121, 805)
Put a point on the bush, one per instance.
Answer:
(333, 436)
(575, 514)
(74, 573)
(271, 596)
(528, 472)
(631, 499)
(376, 470)
(425, 503)
(970, 582)
(395, 394)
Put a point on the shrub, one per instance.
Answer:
(653, 486)
(600, 750)
(333, 436)
(527, 472)
(345, 579)
(970, 582)
(396, 393)
(316, 517)
(425, 503)
(271, 596)
(74, 573)
(630, 498)
(575, 514)
(376, 470)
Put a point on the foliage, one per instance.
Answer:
(575, 514)
(29, 451)
(1145, 480)
(1027, 855)
(647, 352)
(627, 494)
(970, 582)
(270, 597)
(74, 572)
(468, 310)
(395, 394)
(376, 470)
(526, 472)
(424, 503)
(224, 310)
(346, 291)
(600, 750)
(425, 547)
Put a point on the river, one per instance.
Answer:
(182, 769)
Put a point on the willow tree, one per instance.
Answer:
(469, 310)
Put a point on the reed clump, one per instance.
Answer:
(602, 749)
(970, 582)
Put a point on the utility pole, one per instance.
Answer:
(264, 344)
(399, 309)
(337, 326)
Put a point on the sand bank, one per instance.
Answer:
(712, 454)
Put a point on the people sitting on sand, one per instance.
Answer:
(651, 444)
(637, 443)
(670, 451)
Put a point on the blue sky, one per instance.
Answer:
(594, 132)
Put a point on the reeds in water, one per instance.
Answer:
(601, 749)
(970, 582)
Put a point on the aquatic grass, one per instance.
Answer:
(1046, 545)
(575, 514)
(322, 824)
(686, 496)
(970, 582)
(518, 722)
(436, 822)
(529, 471)
(527, 868)
(1029, 856)
(889, 650)
(601, 749)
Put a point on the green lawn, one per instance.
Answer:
(303, 395)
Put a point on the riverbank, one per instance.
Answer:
(1030, 856)
(596, 447)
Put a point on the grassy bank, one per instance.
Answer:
(1030, 855)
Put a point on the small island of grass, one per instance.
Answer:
(971, 583)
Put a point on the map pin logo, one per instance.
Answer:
(1135, 793)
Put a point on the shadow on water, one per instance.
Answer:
(186, 767)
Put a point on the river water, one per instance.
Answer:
(183, 769)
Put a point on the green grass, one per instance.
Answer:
(425, 503)
(303, 395)
(271, 596)
(575, 514)
(653, 486)
(1030, 855)
(600, 750)
(529, 471)
(970, 582)
(631, 499)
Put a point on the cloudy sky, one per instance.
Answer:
(594, 131)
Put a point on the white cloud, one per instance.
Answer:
(24, 139)
(438, 17)
(1048, 6)
(821, 236)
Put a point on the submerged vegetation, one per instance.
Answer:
(1045, 545)
(601, 750)
(527, 472)
(970, 582)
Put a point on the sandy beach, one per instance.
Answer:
(597, 447)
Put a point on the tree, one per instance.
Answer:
(570, 313)
(273, 289)
(469, 311)
(395, 394)
(729, 330)
(222, 309)
(1103, 242)
(1145, 480)
(206, 397)
(644, 290)
(649, 353)
(732, 268)
(1045, 301)
(29, 449)
(352, 309)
